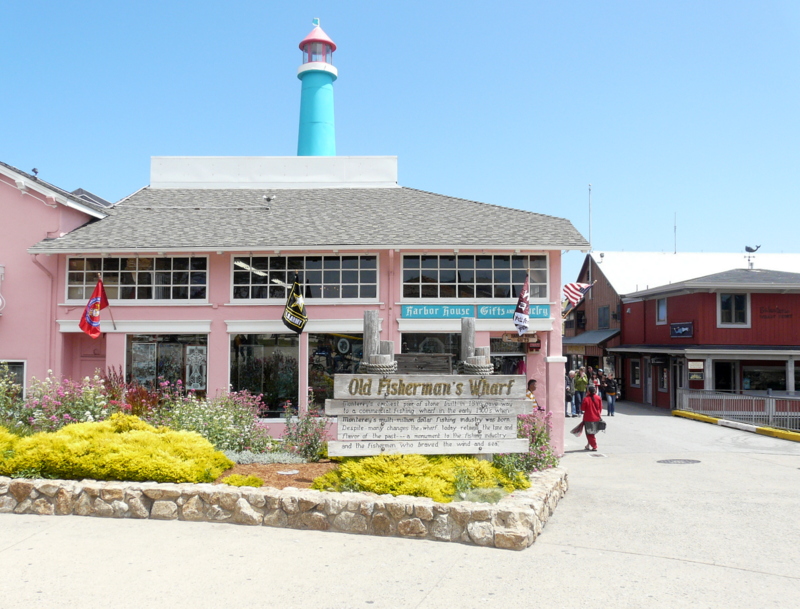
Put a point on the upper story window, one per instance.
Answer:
(661, 311)
(175, 278)
(326, 277)
(603, 315)
(473, 276)
(733, 310)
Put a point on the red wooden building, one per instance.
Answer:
(736, 332)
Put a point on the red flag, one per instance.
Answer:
(521, 312)
(90, 322)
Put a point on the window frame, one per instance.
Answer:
(475, 299)
(661, 321)
(89, 286)
(24, 376)
(234, 268)
(607, 325)
(636, 377)
(748, 311)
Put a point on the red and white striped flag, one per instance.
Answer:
(575, 291)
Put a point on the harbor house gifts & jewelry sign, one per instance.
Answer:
(431, 415)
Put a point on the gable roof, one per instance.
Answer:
(752, 280)
(25, 180)
(632, 272)
(162, 219)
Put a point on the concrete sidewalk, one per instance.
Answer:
(631, 532)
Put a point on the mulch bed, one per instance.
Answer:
(306, 473)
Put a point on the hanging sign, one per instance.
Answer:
(681, 330)
(510, 337)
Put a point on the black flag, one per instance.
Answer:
(294, 313)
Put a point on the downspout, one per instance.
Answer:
(51, 321)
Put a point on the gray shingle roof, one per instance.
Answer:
(237, 219)
(762, 280)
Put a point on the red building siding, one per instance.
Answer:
(773, 318)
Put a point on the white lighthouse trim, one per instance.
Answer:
(319, 66)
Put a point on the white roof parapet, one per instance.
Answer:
(273, 172)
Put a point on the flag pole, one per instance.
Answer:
(110, 314)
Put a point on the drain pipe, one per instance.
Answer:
(51, 321)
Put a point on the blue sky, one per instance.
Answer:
(686, 108)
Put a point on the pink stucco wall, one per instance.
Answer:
(27, 328)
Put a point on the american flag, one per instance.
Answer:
(575, 291)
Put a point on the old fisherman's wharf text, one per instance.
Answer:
(400, 387)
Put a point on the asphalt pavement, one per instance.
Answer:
(719, 531)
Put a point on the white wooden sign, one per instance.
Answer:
(427, 414)
(434, 427)
(365, 448)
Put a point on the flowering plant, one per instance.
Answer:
(305, 434)
(536, 428)
(51, 403)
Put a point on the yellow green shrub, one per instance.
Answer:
(7, 441)
(120, 448)
(239, 480)
(438, 477)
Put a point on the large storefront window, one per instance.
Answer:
(134, 278)
(507, 357)
(266, 365)
(325, 277)
(330, 354)
(761, 378)
(153, 358)
(468, 276)
(432, 343)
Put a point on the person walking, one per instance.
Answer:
(592, 410)
(611, 393)
(569, 394)
(580, 383)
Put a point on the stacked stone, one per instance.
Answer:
(513, 523)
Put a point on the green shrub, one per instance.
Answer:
(229, 421)
(442, 478)
(121, 448)
(239, 480)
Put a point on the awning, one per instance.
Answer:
(593, 337)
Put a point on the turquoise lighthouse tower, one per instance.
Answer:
(317, 131)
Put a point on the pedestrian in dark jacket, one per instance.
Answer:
(611, 393)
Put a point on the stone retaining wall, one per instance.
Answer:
(513, 523)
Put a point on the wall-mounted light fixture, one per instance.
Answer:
(2, 276)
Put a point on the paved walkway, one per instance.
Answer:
(631, 532)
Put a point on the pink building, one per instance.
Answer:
(195, 265)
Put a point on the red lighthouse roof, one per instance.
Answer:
(318, 35)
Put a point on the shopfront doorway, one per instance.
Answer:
(725, 376)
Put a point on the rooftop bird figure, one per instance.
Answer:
(751, 250)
